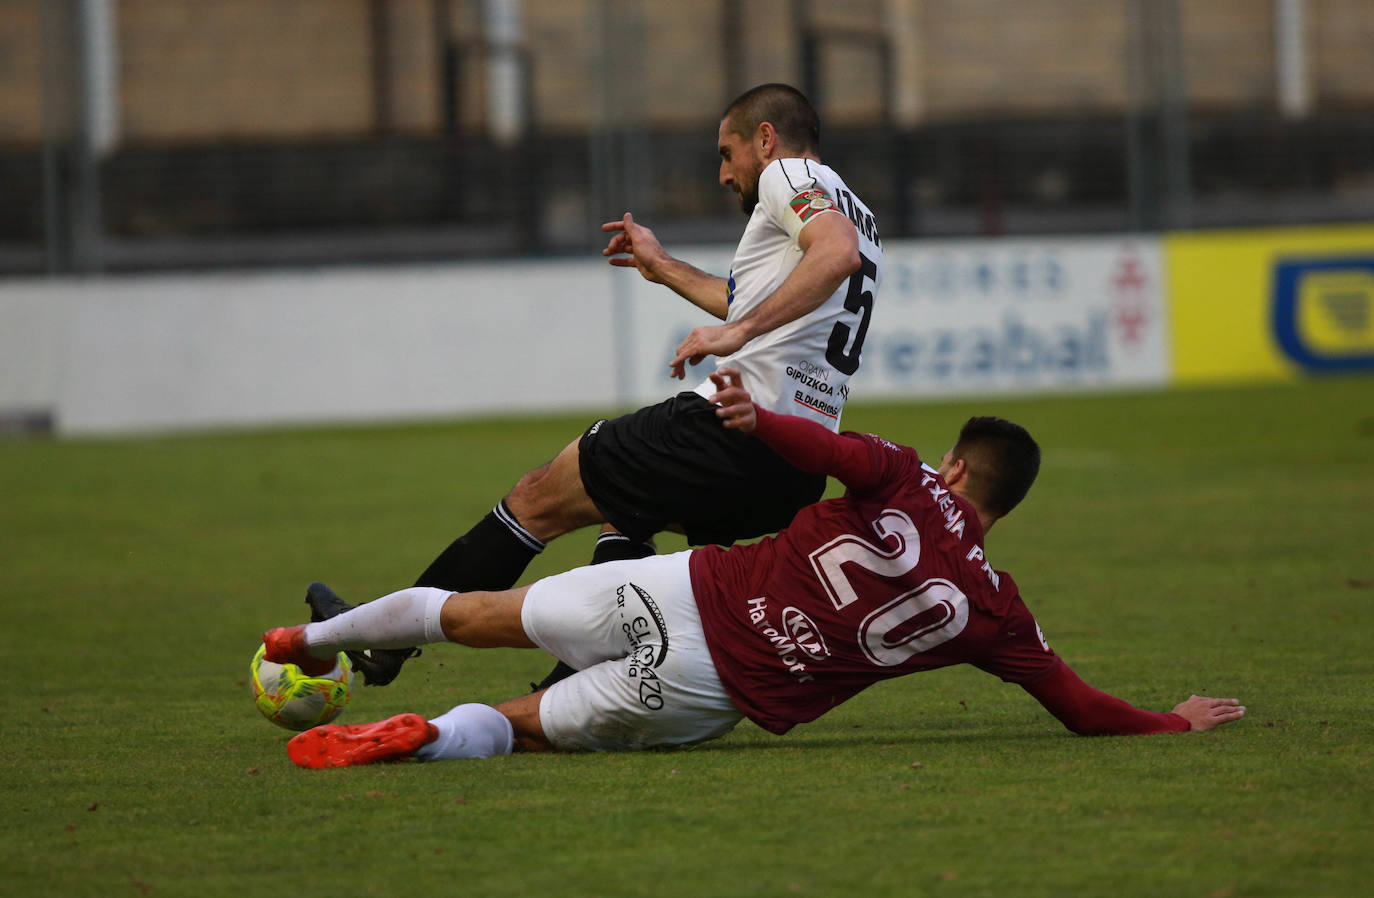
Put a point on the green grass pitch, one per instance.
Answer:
(1218, 541)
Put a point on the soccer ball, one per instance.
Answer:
(289, 698)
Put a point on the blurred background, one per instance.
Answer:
(244, 213)
(143, 135)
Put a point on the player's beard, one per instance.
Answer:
(748, 195)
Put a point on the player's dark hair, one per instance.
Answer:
(1002, 461)
(785, 108)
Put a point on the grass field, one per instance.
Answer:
(1215, 541)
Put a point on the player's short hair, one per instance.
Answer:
(1002, 461)
(785, 108)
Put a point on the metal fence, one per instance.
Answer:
(147, 134)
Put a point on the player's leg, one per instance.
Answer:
(649, 679)
(646, 676)
(629, 470)
(552, 501)
(523, 715)
(611, 545)
(577, 616)
(546, 503)
(416, 616)
(410, 616)
(617, 706)
(581, 618)
(603, 708)
(490, 556)
(468, 731)
(613, 472)
(377, 666)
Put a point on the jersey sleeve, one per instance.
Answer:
(1092, 712)
(1020, 653)
(1022, 656)
(862, 462)
(791, 196)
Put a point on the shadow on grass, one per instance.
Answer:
(981, 737)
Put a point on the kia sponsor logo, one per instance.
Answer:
(804, 633)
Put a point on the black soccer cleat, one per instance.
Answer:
(559, 673)
(324, 602)
(378, 666)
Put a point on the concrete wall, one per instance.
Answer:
(149, 353)
(171, 352)
(953, 317)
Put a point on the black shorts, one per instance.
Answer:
(674, 463)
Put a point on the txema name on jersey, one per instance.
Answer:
(955, 521)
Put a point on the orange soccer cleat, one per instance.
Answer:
(286, 645)
(338, 745)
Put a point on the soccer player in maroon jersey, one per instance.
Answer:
(892, 578)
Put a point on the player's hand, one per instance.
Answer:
(634, 246)
(735, 407)
(1203, 713)
(715, 339)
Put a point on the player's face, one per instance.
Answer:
(946, 465)
(741, 163)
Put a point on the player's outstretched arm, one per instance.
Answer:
(1092, 712)
(1204, 713)
(634, 246)
(830, 254)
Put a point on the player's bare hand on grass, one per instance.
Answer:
(714, 339)
(736, 408)
(634, 246)
(1203, 713)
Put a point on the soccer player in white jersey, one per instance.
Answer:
(892, 579)
(795, 309)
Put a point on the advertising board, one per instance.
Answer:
(971, 317)
(1268, 305)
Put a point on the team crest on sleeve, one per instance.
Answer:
(808, 202)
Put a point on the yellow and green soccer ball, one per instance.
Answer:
(289, 698)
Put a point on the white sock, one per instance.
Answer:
(400, 620)
(469, 731)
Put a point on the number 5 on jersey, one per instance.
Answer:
(860, 301)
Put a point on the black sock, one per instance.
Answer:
(492, 555)
(611, 546)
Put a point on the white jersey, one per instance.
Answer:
(802, 368)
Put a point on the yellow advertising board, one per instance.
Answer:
(1270, 304)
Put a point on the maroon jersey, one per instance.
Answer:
(891, 579)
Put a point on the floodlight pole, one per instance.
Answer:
(81, 125)
(1157, 145)
(1290, 52)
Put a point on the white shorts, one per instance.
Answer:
(645, 676)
